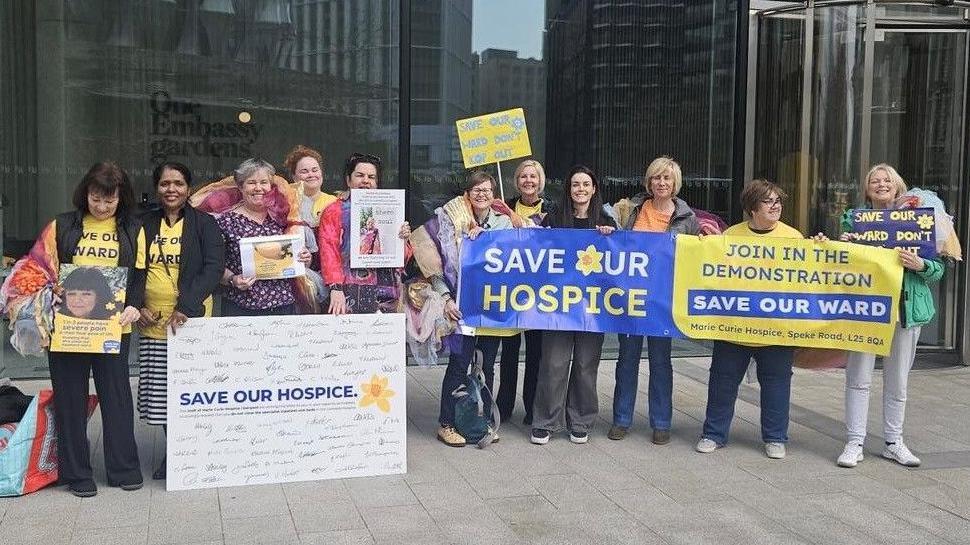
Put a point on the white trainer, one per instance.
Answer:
(775, 451)
(706, 445)
(898, 452)
(851, 455)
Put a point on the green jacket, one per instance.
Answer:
(917, 303)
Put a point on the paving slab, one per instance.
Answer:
(603, 492)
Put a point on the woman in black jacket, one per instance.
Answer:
(530, 181)
(100, 232)
(566, 385)
(186, 258)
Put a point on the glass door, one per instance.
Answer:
(839, 86)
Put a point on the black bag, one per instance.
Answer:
(13, 404)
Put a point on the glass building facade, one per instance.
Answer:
(730, 89)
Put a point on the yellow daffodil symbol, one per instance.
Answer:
(109, 306)
(589, 261)
(925, 222)
(377, 393)
(120, 296)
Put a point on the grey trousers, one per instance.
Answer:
(895, 375)
(563, 386)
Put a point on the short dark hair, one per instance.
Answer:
(476, 177)
(105, 178)
(358, 158)
(90, 279)
(566, 212)
(756, 191)
(171, 165)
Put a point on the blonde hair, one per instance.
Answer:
(534, 164)
(894, 178)
(661, 165)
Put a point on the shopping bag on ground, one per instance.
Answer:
(28, 449)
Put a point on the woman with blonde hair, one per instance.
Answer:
(530, 181)
(881, 189)
(657, 210)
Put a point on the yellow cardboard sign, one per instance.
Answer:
(794, 292)
(83, 335)
(492, 138)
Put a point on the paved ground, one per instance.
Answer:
(601, 493)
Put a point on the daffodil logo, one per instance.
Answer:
(109, 306)
(120, 296)
(377, 393)
(925, 222)
(589, 261)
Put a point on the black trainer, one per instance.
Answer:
(540, 436)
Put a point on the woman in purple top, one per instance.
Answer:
(247, 296)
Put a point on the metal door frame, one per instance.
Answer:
(956, 322)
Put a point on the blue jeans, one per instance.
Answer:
(457, 370)
(660, 388)
(728, 365)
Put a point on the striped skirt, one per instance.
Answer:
(153, 380)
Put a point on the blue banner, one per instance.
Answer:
(913, 229)
(569, 280)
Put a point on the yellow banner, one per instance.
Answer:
(794, 292)
(83, 335)
(492, 138)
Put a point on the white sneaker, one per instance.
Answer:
(775, 451)
(851, 455)
(706, 445)
(898, 452)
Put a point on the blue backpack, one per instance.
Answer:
(476, 414)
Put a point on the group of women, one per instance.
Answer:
(180, 255)
(565, 363)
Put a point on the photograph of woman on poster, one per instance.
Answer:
(87, 295)
(370, 237)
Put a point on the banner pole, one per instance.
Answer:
(501, 189)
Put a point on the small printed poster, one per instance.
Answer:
(376, 216)
(272, 257)
(87, 319)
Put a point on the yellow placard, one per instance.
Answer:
(492, 138)
(794, 292)
(83, 335)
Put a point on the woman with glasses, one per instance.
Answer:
(657, 210)
(882, 187)
(761, 202)
(355, 291)
(530, 181)
(468, 215)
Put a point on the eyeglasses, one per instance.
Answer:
(771, 202)
(481, 191)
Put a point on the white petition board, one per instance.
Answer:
(274, 399)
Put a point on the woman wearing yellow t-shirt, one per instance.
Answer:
(761, 201)
(305, 166)
(101, 231)
(186, 259)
